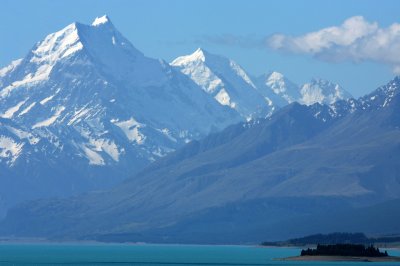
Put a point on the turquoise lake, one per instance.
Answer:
(124, 254)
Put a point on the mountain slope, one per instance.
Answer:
(85, 109)
(249, 179)
(226, 81)
(277, 87)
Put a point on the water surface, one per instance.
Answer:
(147, 255)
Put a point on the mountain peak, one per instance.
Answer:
(322, 91)
(200, 51)
(107, 48)
(101, 20)
(283, 90)
(275, 76)
(46, 53)
(382, 96)
(62, 43)
(199, 55)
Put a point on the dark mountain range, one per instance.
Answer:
(306, 169)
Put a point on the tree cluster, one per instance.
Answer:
(335, 238)
(344, 250)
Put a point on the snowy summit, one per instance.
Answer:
(101, 20)
(84, 98)
(226, 81)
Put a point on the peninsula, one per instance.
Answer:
(343, 252)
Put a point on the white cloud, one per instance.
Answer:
(355, 40)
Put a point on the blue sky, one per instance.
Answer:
(236, 29)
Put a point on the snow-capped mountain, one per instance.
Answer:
(322, 91)
(278, 88)
(85, 109)
(292, 164)
(381, 97)
(230, 85)
(226, 81)
(282, 91)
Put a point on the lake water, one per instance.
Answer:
(147, 255)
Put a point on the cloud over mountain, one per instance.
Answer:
(355, 40)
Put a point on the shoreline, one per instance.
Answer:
(37, 240)
(44, 241)
(341, 258)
